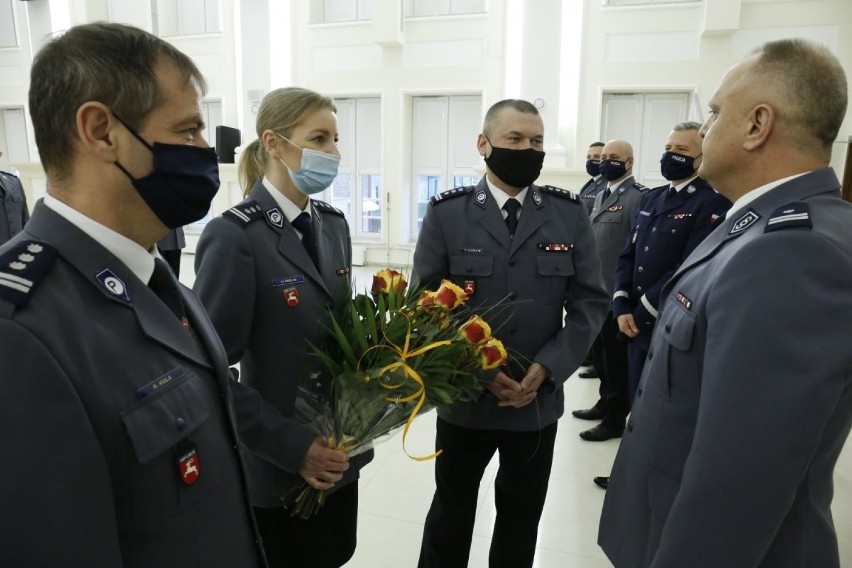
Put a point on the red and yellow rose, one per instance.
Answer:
(476, 330)
(449, 296)
(492, 354)
(388, 281)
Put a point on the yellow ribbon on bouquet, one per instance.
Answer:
(404, 354)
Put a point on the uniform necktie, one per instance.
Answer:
(511, 207)
(672, 192)
(606, 193)
(164, 284)
(303, 224)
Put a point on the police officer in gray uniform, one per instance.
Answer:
(119, 441)
(611, 222)
(509, 237)
(597, 182)
(268, 271)
(745, 401)
(14, 214)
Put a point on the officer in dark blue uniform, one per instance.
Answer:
(597, 182)
(671, 220)
(14, 213)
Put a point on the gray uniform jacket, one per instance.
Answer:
(269, 304)
(745, 401)
(550, 265)
(14, 213)
(612, 220)
(590, 191)
(175, 240)
(102, 394)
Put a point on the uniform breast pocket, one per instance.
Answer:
(554, 269)
(464, 266)
(678, 327)
(171, 470)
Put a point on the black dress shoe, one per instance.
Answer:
(588, 373)
(600, 433)
(602, 482)
(593, 413)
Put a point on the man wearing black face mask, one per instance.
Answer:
(508, 237)
(116, 409)
(611, 216)
(671, 221)
(597, 182)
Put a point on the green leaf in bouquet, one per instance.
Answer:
(345, 346)
(358, 330)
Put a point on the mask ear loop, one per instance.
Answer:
(295, 146)
(135, 135)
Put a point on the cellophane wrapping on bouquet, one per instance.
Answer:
(395, 352)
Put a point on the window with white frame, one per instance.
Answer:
(648, 2)
(198, 17)
(8, 35)
(443, 149)
(447, 7)
(357, 189)
(347, 10)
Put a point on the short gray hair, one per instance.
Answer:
(688, 125)
(519, 105)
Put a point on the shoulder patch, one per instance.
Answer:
(640, 187)
(792, 215)
(22, 267)
(451, 193)
(326, 208)
(559, 192)
(244, 213)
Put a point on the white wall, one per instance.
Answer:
(565, 52)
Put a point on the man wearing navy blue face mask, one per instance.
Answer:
(670, 222)
(611, 215)
(135, 460)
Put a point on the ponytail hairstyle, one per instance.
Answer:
(281, 111)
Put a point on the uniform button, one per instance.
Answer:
(639, 391)
(646, 249)
(512, 262)
(469, 268)
(640, 269)
(513, 295)
(668, 328)
(512, 330)
(630, 426)
(653, 229)
(638, 288)
(650, 355)
(674, 231)
(180, 423)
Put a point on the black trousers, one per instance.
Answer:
(609, 353)
(326, 540)
(520, 490)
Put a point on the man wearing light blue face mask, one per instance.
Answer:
(268, 271)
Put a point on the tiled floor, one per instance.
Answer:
(395, 491)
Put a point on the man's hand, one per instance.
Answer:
(323, 466)
(512, 393)
(627, 325)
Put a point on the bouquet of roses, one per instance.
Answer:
(396, 352)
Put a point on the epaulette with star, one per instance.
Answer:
(451, 193)
(326, 208)
(638, 186)
(22, 267)
(244, 213)
(559, 192)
